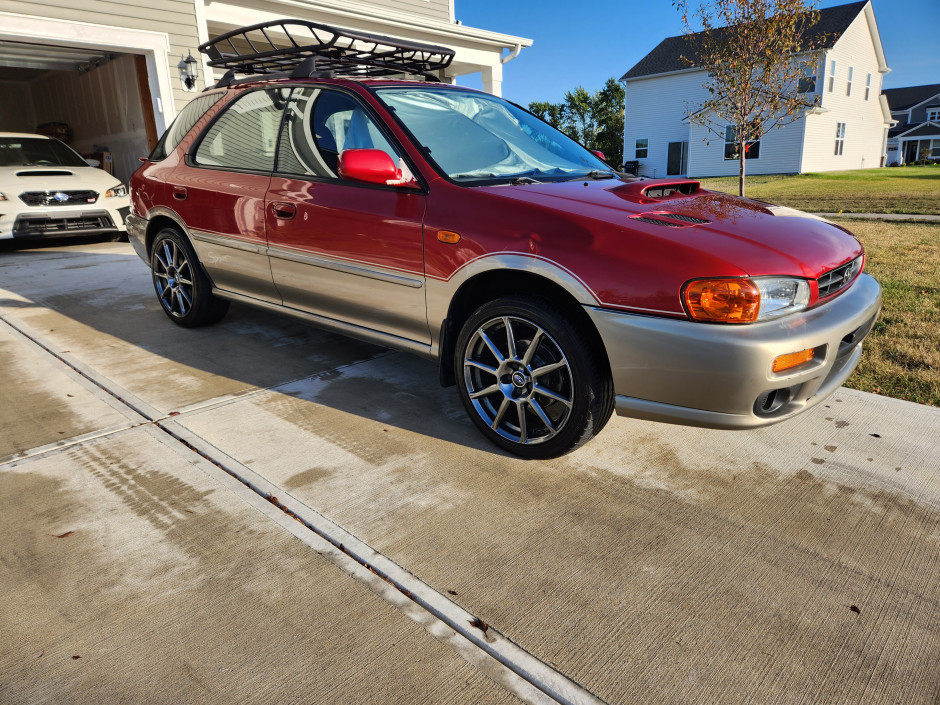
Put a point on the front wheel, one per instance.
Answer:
(530, 380)
(184, 290)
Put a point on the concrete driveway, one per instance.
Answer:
(263, 512)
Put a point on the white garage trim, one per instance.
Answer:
(154, 46)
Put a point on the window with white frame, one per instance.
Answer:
(751, 149)
(935, 148)
(867, 86)
(933, 114)
(832, 75)
(808, 80)
(641, 148)
(840, 138)
(848, 84)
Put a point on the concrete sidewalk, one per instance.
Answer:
(799, 563)
(900, 217)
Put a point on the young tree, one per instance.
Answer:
(593, 119)
(757, 54)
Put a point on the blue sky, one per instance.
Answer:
(585, 43)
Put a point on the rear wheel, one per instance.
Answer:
(529, 379)
(182, 287)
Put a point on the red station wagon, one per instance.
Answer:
(447, 222)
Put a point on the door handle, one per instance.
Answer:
(284, 211)
(180, 193)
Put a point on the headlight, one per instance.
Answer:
(744, 300)
(119, 190)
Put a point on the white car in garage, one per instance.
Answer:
(48, 190)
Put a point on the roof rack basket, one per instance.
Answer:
(288, 46)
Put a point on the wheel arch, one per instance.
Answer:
(496, 283)
(159, 219)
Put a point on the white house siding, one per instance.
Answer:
(864, 120)
(433, 9)
(779, 153)
(654, 107)
(177, 18)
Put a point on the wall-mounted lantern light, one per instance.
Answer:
(188, 72)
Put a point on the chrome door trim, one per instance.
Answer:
(344, 267)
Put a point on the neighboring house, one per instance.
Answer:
(917, 134)
(109, 68)
(846, 129)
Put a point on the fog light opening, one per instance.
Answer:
(772, 401)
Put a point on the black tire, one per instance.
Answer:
(538, 402)
(183, 289)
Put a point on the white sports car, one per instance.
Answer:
(48, 190)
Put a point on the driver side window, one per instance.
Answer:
(318, 126)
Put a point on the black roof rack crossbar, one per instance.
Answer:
(343, 52)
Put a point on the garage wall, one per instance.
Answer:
(16, 107)
(102, 107)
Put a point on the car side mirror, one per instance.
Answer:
(372, 166)
(599, 154)
(93, 162)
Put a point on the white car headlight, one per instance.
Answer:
(119, 190)
(780, 296)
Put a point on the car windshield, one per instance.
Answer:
(480, 139)
(36, 151)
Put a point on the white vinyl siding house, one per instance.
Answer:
(661, 93)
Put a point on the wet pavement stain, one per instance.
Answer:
(27, 404)
(307, 477)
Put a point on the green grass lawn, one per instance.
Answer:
(902, 354)
(907, 189)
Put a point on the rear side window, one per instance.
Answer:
(183, 123)
(319, 125)
(244, 137)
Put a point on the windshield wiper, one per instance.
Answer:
(595, 174)
(519, 180)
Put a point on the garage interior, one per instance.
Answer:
(103, 98)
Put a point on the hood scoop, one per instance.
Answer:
(46, 172)
(669, 220)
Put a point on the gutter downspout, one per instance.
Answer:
(512, 55)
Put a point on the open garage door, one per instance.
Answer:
(99, 102)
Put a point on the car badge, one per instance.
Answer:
(61, 197)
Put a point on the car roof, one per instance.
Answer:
(24, 134)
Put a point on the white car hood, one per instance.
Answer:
(14, 180)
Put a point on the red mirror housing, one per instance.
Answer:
(599, 154)
(371, 166)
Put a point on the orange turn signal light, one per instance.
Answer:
(451, 238)
(723, 300)
(791, 360)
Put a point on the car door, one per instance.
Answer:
(220, 193)
(338, 248)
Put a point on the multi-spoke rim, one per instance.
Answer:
(173, 279)
(519, 380)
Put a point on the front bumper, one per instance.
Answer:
(720, 376)
(29, 222)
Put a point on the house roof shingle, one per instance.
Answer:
(904, 98)
(926, 129)
(667, 56)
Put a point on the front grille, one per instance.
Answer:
(66, 198)
(38, 225)
(837, 279)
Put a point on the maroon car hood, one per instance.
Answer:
(757, 238)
